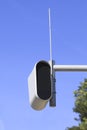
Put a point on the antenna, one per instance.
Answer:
(50, 38)
(50, 34)
(52, 62)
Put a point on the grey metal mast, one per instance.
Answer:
(52, 62)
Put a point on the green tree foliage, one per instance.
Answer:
(83, 124)
(81, 106)
(74, 128)
(81, 101)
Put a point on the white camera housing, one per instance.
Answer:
(39, 85)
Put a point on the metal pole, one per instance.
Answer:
(52, 101)
(70, 68)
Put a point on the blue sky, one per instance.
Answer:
(24, 40)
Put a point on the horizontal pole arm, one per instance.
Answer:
(70, 68)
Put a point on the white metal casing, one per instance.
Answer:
(35, 101)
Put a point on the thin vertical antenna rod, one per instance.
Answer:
(53, 98)
(50, 38)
